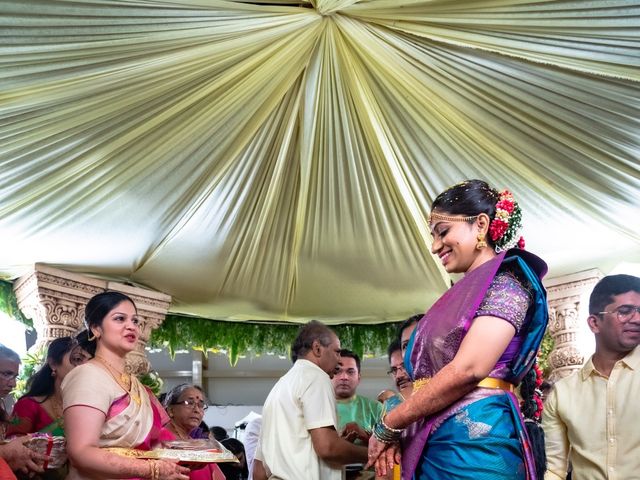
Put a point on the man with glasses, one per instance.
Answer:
(590, 418)
(18, 457)
(396, 352)
(9, 369)
(353, 408)
(397, 370)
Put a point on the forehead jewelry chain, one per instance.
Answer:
(434, 216)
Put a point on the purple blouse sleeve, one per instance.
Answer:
(506, 298)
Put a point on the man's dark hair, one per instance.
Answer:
(312, 331)
(349, 354)
(394, 346)
(408, 322)
(608, 287)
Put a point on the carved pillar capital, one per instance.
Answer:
(568, 309)
(55, 299)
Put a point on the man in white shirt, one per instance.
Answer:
(251, 437)
(299, 439)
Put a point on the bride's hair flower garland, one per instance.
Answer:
(504, 228)
(533, 405)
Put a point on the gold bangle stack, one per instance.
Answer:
(154, 470)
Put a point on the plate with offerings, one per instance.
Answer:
(185, 451)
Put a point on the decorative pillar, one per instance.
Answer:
(55, 300)
(568, 298)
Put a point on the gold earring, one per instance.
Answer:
(481, 243)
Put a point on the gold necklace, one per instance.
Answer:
(124, 379)
(179, 431)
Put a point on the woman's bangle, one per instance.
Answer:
(385, 433)
(154, 470)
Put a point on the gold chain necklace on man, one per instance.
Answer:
(123, 379)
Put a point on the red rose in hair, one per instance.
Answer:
(505, 205)
(497, 228)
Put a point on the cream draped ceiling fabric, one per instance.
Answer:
(277, 160)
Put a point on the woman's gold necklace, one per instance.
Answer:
(179, 431)
(123, 379)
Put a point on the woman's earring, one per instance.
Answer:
(53, 373)
(481, 243)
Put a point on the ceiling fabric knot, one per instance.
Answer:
(328, 7)
(272, 161)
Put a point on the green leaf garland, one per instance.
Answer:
(9, 303)
(248, 338)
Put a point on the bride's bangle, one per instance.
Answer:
(385, 433)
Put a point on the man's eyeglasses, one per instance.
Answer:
(193, 404)
(8, 375)
(624, 313)
(393, 371)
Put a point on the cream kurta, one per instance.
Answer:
(592, 420)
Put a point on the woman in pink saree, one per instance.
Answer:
(104, 406)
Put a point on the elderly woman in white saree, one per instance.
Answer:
(106, 407)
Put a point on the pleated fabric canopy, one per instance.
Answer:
(276, 160)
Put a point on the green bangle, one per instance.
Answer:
(385, 433)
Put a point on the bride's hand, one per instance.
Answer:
(383, 456)
(376, 447)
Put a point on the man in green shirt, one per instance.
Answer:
(353, 408)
